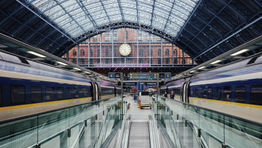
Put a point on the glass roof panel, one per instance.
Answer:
(76, 17)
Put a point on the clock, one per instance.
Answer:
(125, 49)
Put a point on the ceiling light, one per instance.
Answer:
(239, 52)
(61, 63)
(215, 62)
(87, 72)
(192, 71)
(36, 54)
(202, 67)
(75, 68)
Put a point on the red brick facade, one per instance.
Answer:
(118, 38)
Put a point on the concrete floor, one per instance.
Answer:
(136, 113)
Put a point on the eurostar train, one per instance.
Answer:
(28, 87)
(235, 89)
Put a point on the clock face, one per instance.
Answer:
(125, 49)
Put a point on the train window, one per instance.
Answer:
(197, 92)
(256, 94)
(75, 92)
(209, 93)
(36, 94)
(217, 93)
(17, 94)
(68, 94)
(60, 93)
(227, 93)
(204, 92)
(81, 92)
(50, 93)
(240, 94)
(85, 92)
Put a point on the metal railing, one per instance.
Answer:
(76, 126)
(212, 128)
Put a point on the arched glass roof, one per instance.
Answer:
(204, 29)
(76, 17)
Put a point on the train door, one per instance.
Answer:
(96, 92)
(185, 97)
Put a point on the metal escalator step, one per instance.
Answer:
(139, 135)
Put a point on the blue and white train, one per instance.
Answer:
(235, 89)
(28, 87)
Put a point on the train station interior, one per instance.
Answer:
(130, 74)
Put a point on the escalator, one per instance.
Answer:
(139, 135)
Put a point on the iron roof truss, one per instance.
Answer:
(199, 27)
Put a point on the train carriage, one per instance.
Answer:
(28, 87)
(234, 89)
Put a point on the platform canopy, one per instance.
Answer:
(202, 28)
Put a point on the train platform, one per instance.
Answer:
(120, 123)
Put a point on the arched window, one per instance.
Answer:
(74, 53)
(167, 61)
(167, 52)
(107, 52)
(97, 52)
(82, 52)
(174, 53)
(159, 52)
(141, 52)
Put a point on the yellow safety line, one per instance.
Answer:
(107, 96)
(45, 103)
(234, 103)
(42, 103)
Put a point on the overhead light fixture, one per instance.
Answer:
(87, 72)
(192, 71)
(75, 68)
(215, 62)
(36, 54)
(239, 52)
(202, 67)
(61, 63)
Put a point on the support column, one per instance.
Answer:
(150, 52)
(88, 51)
(137, 50)
(100, 49)
(77, 54)
(161, 52)
(113, 52)
(125, 42)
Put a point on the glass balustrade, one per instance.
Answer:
(210, 128)
(79, 126)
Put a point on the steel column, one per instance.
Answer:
(161, 52)
(150, 52)
(113, 48)
(77, 54)
(100, 43)
(137, 49)
(88, 50)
